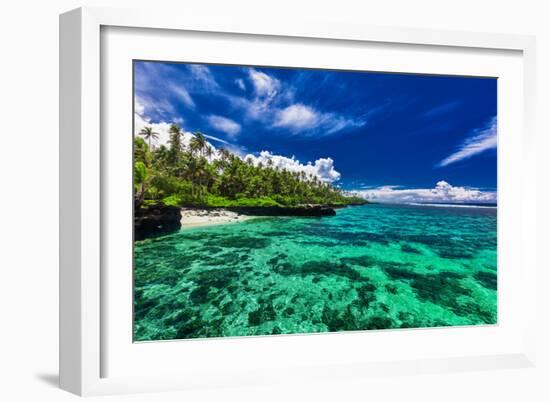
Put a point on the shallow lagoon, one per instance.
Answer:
(369, 267)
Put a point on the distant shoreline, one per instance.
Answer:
(459, 205)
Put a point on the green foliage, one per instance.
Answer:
(172, 200)
(175, 143)
(187, 176)
(220, 201)
(147, 203)
(141, 151)
(140, 173)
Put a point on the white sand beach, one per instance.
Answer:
(191, 218)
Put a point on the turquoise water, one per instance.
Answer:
(369, 267)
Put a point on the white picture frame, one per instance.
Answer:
(86, 346)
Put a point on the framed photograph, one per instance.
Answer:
(245, 204)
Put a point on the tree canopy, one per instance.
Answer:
(183, 175)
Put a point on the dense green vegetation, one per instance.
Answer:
(182, 175)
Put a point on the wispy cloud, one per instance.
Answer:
(302, 118)
(223, 124)
(441, 193)
(482, 139)
(157, 94)
(202, 77)
(154, 106)
(274, 104)
(264, 84)
(183, 94)
(240, 83)
(214, 138)
(442, 109)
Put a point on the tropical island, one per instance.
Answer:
(205, 182)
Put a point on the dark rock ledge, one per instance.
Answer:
(310, 210)
(154, 220)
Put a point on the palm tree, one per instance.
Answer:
(148, 134)
(208, 151)
(198, 143)
(175, 142)
(225, 156)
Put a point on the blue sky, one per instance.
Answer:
(388, 136)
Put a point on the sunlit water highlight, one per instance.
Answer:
(370, 267)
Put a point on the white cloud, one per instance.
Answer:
(139, 108)
(147, 106)
(266, 95)
(216, 139)
(162, 128)
(273, 104)
(240, 83)
(202, 77)
(264, 85)
(159, 91)
(183, 95)
(484, 138)
(332, 123)
(302, 118)
(297, 117)
(160, 87)
(228, 126)
(323, 168)
(443, 192)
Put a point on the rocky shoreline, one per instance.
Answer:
(159, 219)
(154, 220)
(311, 210)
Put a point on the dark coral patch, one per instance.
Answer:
(444, 246)
(379, 322)
(190, 328)
(361, 237)
(320, 268)
(365, 295)
(243, 242)
(264, 313)
(442, 289)
(409, 249)
(332, 320)
(487, 279)
(365, 261)
(209, 281)
(401, 272)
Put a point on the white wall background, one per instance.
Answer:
(29, 201)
